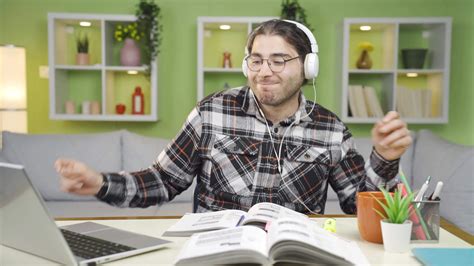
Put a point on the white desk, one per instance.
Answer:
(346, 227)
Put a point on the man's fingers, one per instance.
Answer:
(68, 168)
(390, 116)
(392, 126)
(402, 142)
(394, 136)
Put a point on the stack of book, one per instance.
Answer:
(414, 102)
(363, 102)
(266, 234)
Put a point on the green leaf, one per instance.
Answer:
(397, 208)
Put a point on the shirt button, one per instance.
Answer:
(318, 208)
(275, 130)
(306, 156)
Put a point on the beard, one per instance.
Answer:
(276, 92)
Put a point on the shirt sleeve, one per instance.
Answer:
(172, 173)
(351, 174)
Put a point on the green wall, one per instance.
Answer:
(24, 22)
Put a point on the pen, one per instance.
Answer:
(437, 191)
(241, 219)
(424, 187)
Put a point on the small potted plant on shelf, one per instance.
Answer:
(396, 227)
(130, 54)
(82, 56)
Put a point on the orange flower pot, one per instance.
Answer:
(367, 219)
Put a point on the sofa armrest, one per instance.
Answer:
(453, 164)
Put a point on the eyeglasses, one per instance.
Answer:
(275, 62)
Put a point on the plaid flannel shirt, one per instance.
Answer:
(225, 144)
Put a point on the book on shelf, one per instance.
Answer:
(374, 108)
(259, 215)
(414, 103)
(363, 102)
(288, 240)
(352, 102)
(360, 101)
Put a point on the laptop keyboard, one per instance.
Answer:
(88, 247)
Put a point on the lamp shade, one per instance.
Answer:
(12, 78)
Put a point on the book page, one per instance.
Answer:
(200, 222)
(265, 212)
(298, 235)
(243, 244)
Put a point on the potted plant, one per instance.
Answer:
(148, 19)
(291, 9)
(396, 227)
(82, 56)
(130, 54)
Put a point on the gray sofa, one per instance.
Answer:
(125, 151)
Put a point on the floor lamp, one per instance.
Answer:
(12, 89)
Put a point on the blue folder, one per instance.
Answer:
(444, 256)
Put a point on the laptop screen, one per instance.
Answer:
(25, 223)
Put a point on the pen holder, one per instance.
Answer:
(425, 218)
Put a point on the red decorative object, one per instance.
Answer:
(138, 102)
(120, 108)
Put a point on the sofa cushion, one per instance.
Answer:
(453, 164)
(38, 152)
(2, 157)
(140, 152)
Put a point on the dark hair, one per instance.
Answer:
(288, 31)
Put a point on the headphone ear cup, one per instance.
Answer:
(244, 67)
(311, 66)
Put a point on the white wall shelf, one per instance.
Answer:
(212, 42)
(104, 80)
(422, 98)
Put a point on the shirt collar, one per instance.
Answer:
(249, 106)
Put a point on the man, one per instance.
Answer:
(260, 143)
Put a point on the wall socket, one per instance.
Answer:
(44, 72)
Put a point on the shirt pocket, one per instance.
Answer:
(234, 163)
(307, 171)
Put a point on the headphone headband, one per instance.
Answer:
(309, 34)
(311, 60)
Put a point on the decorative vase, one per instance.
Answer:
(82, 59)
(364, 61)
(396, 237)
(130, 53)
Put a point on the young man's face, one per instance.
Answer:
(271, 88)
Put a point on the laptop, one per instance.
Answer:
(27, 226)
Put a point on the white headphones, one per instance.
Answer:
(311, 61)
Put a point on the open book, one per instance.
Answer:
(258, 215)
(290, 240)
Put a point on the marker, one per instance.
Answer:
(437, 191)
(424, 187)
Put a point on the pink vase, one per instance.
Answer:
(130, 53)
